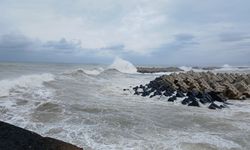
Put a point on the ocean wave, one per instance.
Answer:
(110, 72)
(227, 67)
(81, 71)
(185, 68)
(24, 82)
(123, 66)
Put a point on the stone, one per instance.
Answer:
(156, 70)
(217, 96)
(180, 94)
(214, 106)
(172, 99)
(194, 103)
(206, 87)
(185, 101)
(15, 138)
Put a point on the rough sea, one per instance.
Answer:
(86, 106)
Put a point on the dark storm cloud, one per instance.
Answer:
(18, 42)
(62, 46)
(180, 42)
(15, 42)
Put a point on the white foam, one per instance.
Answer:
(94, 71)
(201, 137)
(84, 71)
(123, 66)
(185, 68)
(26, 81)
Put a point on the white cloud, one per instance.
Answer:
(142, 27)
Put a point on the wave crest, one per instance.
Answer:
(123, 66)
(24, 82)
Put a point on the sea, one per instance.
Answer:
(87, 106)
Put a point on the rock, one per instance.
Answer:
(136, 93)
(180, 94)
(214, 106)
(172, 99)
(185, 101)
(194, 103)
(192, 93)
(156, 70)
(188, 100)
(231, 92)
(15, 138)
(206, 99)
(217, 96)
(206, 87)
(135, 88)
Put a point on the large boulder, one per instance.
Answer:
(15, 138)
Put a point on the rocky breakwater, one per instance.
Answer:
(15, 138)
(157, 70)
(198, 88)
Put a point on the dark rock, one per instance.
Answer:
(167, 93)
(200, 95)
(15, 138)
(136, 93)
(185, 101)
(214, 106)
(135, 88)
(155, 70)
(145, 93)
(206, 99)
(172, 99)
(194, 103)
(180, 94)
(192, 93)
(217, 97)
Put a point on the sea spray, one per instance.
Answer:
(123, 66)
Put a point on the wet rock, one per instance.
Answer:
(214, 106)
(206, 87)
(194, 103)
(217, 96)
(185, 101)
(156, 70)
(172, 99)
(180, 94)
(15, 138)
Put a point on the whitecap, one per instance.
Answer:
(24, 82)
(123, 66)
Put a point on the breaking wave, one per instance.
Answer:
(24, 82)
(123, 66)
(185, 68)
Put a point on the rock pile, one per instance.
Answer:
(157, 70)
(198, 88)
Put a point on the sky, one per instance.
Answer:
(156, 32)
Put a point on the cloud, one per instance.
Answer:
(62, 46)
(15, 42)
(234, 37)
(172, 29)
